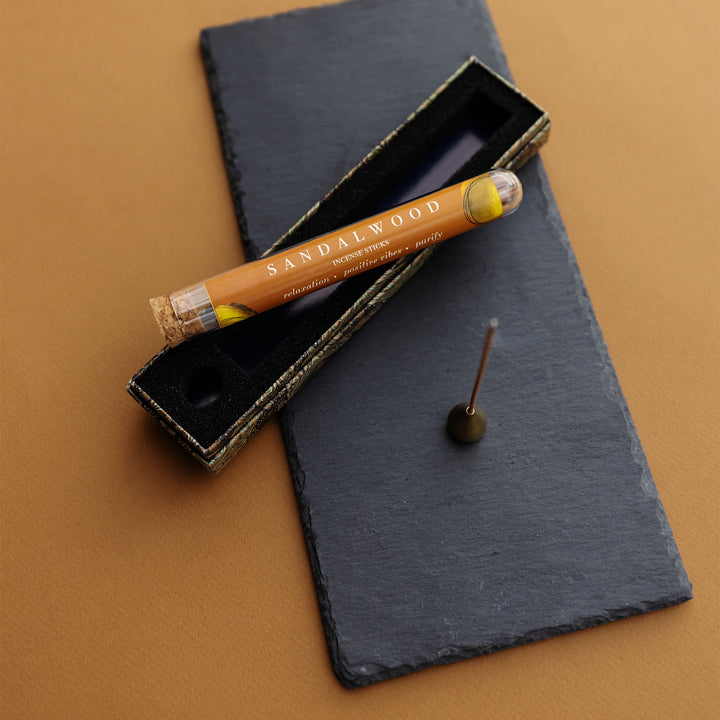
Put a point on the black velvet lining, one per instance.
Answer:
(206, 384)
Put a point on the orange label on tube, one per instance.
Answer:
(330, 258)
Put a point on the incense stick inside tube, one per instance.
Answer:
(276, 279)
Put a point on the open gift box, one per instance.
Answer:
(214, 392)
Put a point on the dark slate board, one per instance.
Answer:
(425, 551)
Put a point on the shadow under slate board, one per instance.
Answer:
(425, 551)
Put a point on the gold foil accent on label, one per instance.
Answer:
(481, 200)
(230, 313)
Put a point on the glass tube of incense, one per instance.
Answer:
(276, 279)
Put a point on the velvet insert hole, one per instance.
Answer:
(203, 386)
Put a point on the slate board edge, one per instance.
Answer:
(610, 380)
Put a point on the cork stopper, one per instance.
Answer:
(184, 314)
(170, 327)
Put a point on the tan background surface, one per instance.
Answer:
(135, 586)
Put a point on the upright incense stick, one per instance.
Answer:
(276, 279)
(465, 422)
(492, 327)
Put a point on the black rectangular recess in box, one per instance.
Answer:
(214, 392)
